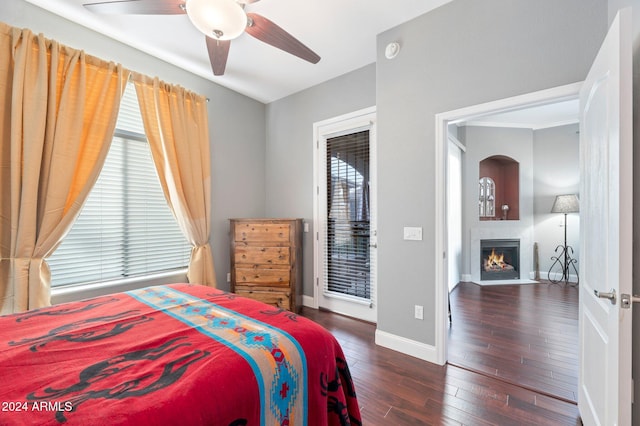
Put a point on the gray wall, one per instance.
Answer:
(290, 145)
(556, 170)
(464, 53)
(236, 122)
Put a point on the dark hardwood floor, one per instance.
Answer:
(398, 389)
(524, 334)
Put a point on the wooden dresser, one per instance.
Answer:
(266, 261)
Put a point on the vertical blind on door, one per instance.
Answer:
(348, 264)
(125, 228)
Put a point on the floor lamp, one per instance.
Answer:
(565, 204)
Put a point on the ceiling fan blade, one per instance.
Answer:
(138, 7)
(268, 32)
(218, 54)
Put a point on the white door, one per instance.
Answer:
(345, 215)
(605, 385)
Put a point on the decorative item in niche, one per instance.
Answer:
(487, 197)
(499, 188)
(505, 211)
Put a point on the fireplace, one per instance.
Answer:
(499, 259)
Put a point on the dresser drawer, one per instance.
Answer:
(262, 255)
(257, 275)
(263, 232)
(266, 295)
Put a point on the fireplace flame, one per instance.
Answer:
(495, 261)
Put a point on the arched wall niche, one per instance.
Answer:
(504, 173)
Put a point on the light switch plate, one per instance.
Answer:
(413, 233)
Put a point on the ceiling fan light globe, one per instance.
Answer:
(220, 19)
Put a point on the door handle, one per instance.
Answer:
(374, 245)
(627, 299)
(611, 295)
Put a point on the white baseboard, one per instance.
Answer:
(406, 346)
(393, 342)
(557, 276)
(504, 282)
(466, 278)
(309, 302)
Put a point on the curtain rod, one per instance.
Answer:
(130, 78)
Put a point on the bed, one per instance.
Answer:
(179, 354)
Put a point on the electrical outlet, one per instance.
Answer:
(228, 277)
(419, 312)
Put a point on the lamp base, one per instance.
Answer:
(565, 261)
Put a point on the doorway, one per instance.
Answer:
(444, 124)
(345, 215)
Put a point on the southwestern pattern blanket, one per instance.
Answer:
(172, 355)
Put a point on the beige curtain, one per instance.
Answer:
(58, 109)
(176, 125)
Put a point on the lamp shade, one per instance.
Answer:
(566, 204)
(220, 19)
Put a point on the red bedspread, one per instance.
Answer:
(171, 355)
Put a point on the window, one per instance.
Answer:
(125, 228)
(348, 260)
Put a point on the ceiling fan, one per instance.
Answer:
(220, 20)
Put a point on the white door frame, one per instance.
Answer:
(364, 118)
(543, 97)
(454, 230)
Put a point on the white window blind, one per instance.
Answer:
(126, 228)
(347, 251)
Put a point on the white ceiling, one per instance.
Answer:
(342, 32)
(538, 117)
